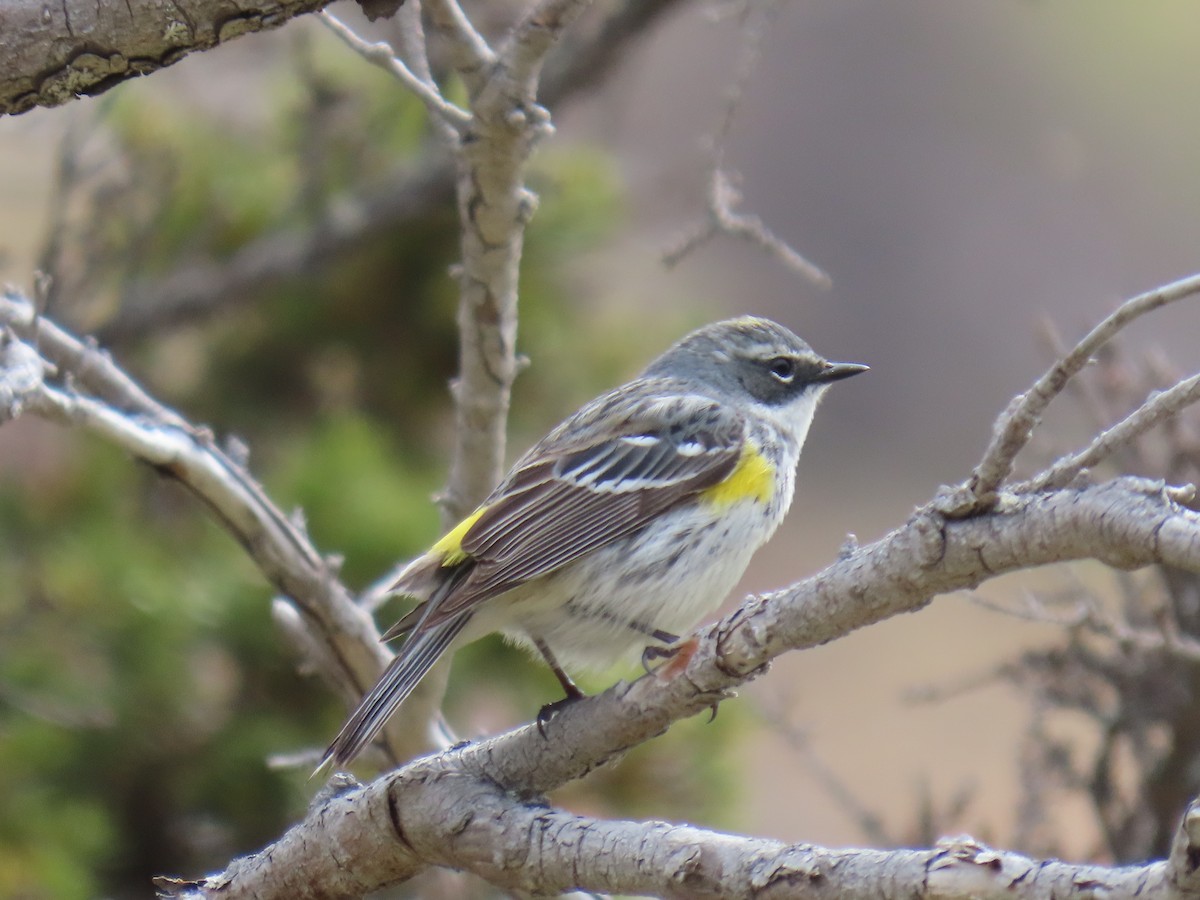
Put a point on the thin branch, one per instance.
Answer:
(1035, 610)
(381, 54)
(1155, 410)
(722, 198)
(95, 395)
(469, 53)
(1088, 614)
(723, 218)
(198, 290)
(1015, 425)
(1084, 391)
(67, 176)
(969, 683)
(413, 48)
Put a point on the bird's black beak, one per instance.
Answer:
(837, 371)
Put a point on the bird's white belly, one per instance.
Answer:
(667, 578)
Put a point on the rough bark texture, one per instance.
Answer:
(51, 53)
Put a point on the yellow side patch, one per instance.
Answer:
(753, 478)
(450, 547)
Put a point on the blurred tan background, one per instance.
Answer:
(960, 169)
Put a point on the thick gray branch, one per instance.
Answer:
(51, 53)
(1126, 523)
(384, 832)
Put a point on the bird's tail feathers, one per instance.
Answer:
(416, 657)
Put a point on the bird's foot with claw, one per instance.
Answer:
(550, 710)
(677, 657)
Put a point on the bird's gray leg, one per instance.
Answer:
(573, 693)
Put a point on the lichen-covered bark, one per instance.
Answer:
(51, 53)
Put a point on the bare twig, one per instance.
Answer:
(723, 218)
(1035, 610)
(197, 290)
(1151, 413)
(969, 683)
(66, 180)
(381, 54)
(413, 49)
(469, 53)
(721, 215)
(1083, 390)
(1014, 427)
(1166, 639)
(1089, 615)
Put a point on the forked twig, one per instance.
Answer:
(722, 197)
(1013, 428)
(381, 54)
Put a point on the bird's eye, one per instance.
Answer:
(783, 368)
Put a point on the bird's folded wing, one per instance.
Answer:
(558, 505)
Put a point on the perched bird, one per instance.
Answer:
(626, 524)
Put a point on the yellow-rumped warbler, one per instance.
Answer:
(627, 523)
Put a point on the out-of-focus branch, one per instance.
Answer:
(492, 144)
(468, 52)
(200, 289)
(52, 53)
(494, 206)
(722, 217)
(380, 54)
(722, 198)
(1126, 664)
(869, 823)
(48, 372)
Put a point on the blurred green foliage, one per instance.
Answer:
(143, 686)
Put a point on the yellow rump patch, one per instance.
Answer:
(753, 478)
(450, 546)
